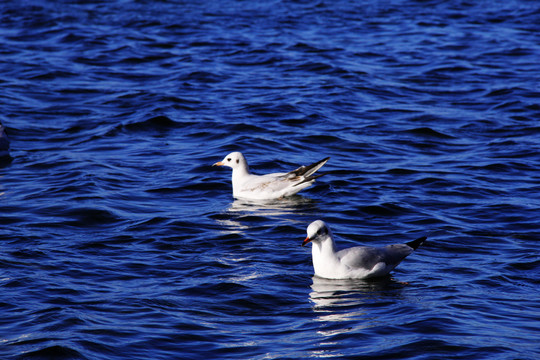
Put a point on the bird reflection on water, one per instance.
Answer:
(344, 305)
(294, 205)
(290, 209)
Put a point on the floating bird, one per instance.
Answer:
(271, 186)
(359, 262)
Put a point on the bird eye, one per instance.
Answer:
(321, 231)
(237, 161)
(229, 159)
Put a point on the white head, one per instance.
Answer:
(317, 232)
(234, 160)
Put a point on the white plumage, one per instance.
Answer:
(360, 262)
(271, 186)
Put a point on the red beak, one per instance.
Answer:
(306, 241)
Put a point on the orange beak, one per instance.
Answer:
(306, 241)
(219, 163)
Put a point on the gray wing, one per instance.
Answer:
(367, 257)
(285, 182)
(272, 183)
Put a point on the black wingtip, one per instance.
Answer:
(308, 171)
(309, 178)
(416, 243)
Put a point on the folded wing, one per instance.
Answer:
(285, 184)
(370, 258)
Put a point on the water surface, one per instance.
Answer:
(120, 241)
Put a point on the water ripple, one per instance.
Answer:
(120, 240)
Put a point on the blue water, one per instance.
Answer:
(120, 241)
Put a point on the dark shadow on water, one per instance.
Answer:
(5, 158)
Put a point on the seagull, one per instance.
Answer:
(271, 186)
(359, 262)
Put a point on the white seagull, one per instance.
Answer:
(271, 186)
(359, 262)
